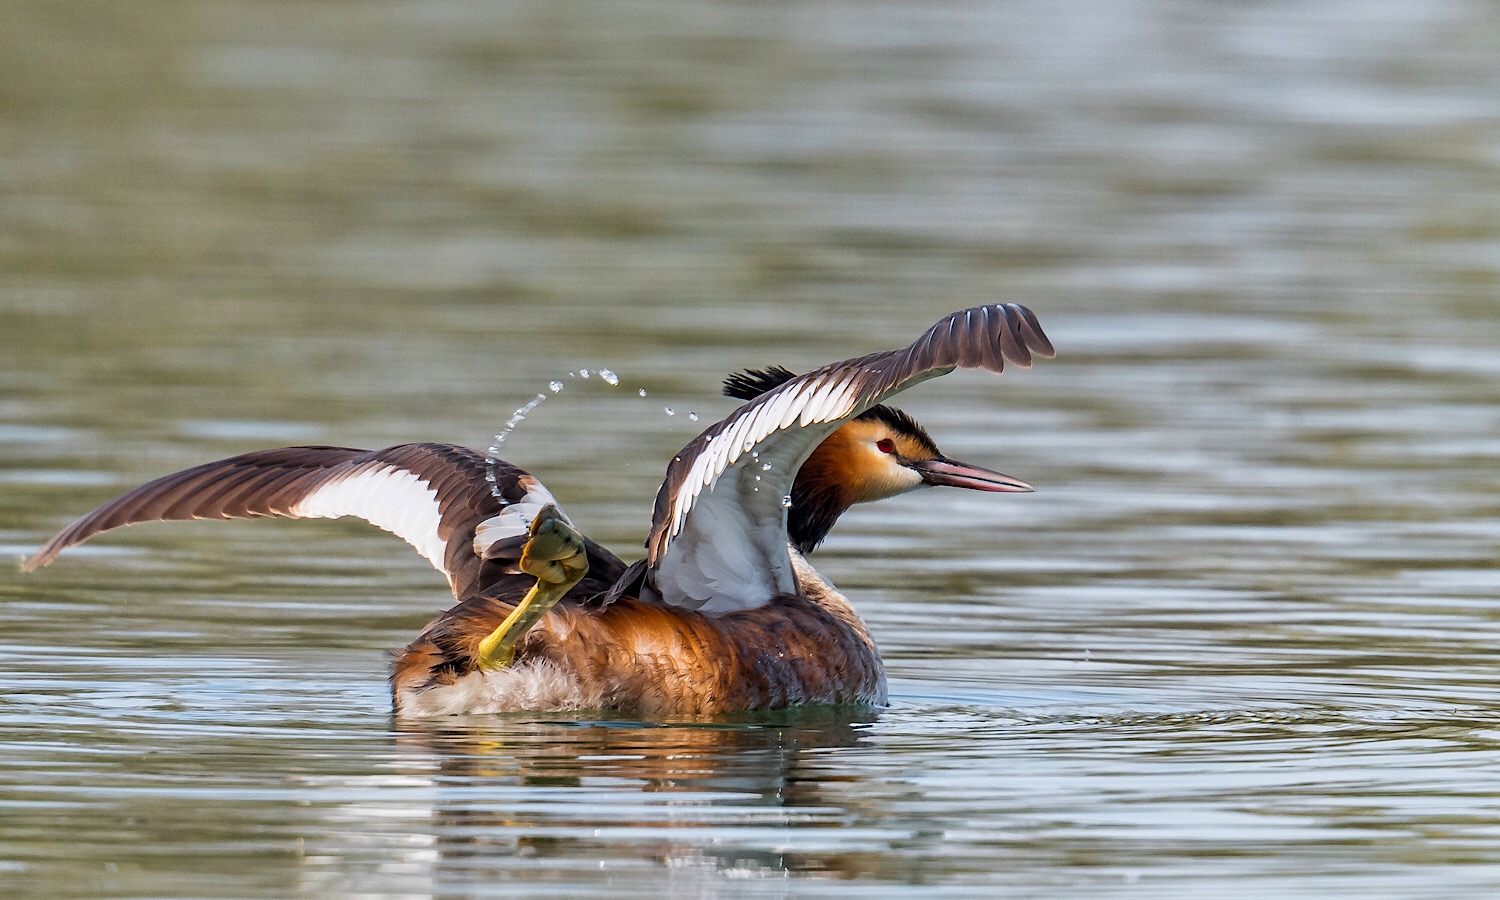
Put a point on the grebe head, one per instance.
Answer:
(880, 453)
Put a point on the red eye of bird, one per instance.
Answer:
(886, 445)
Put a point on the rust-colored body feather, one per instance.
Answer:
(651, 658)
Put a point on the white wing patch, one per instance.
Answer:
(829, 400)
(733, 554)
(515, 520)
(713, 567)
(389, 498)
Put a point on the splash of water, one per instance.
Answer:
(492, 456)
(556, 386)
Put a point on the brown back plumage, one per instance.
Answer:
(658, 660)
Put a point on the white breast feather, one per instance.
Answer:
(391, 499)
(535, 686)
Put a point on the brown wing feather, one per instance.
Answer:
(200, 493)
(655, 660)
(275, 482)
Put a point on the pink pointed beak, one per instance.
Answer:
(948, 473)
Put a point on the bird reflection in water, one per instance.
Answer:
(714, 794)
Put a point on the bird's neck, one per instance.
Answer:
(812, 516)
(820, 494)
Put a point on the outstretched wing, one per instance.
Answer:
(718, 538)
(435, 497)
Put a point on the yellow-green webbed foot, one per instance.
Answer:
(554, 554)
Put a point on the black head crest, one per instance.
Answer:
(898, 421)
(751, 383)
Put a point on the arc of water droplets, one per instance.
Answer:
(492, 455)
(556, 386)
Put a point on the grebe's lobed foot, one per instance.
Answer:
(555, 555)
(555, 550)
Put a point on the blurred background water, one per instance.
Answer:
(1243, 639)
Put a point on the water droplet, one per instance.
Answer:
(555, 386)
(610, 378)
(669, 410)
(692, 416)
(515, 419)
(642, 392)
(765, 467)
(786, 502)
(757, 478)
(583, 373)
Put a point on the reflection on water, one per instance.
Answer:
(1243, 638)
(637, 795)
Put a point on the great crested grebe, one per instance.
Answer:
(724, 613)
